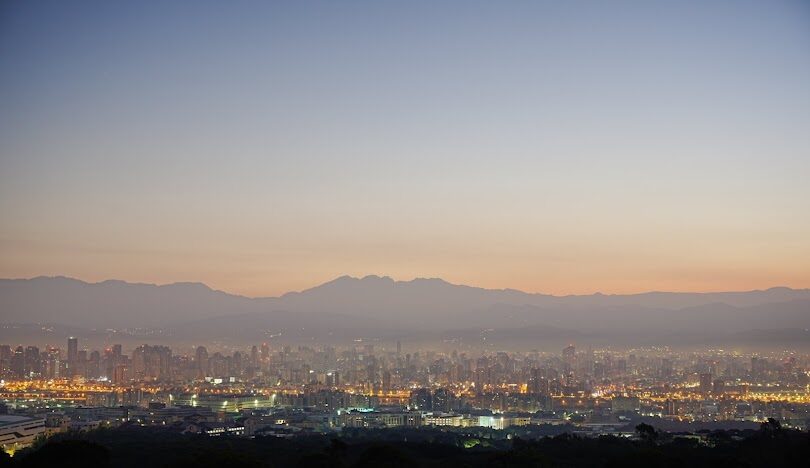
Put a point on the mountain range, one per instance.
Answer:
(382, 307)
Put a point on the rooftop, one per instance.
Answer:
(6, 419)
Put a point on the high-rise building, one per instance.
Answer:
(151, 363)
(758, 367)
(705, 383)
(236, 364)
(73, 349)
(201, 361)
(666, 368)
(569, 354)
(442, 400)
(18, 363)
(422, 400)
(5, 361)
(254, 357)
(265, 354)
(93, 369)
(538, 384)
(386, 381)
(112, 357)
(219, 366)
(51, 365)
(32, 366)
(119, 374)
(72, 355)
(669, 407)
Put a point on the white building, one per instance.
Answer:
(441, 419)
(19, 431)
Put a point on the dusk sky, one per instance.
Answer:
(262, 147)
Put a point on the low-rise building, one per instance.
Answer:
(19, 431)
(442, 419)
(379, 419)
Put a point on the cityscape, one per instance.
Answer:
(288, 391)
(371, 234)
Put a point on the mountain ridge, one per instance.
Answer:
(395, 282)
(382, 303)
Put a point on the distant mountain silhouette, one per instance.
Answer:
(382, 306)
(113, 303)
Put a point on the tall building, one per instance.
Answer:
(254, 357)
(758, 367)
(201, 362)
(705, 383)
(236, 364)
(538, 384)
(666, 368)
(51, 364)
(18, 363)
(569, 354)
(386, 381)
(421, 399)
(219, 366)
(151, 363)
(119, 374)
(5, 361)
(265, 353)
(72, 355)
(442, 400)
(93, 369)
(32, 366)
(73, 349)
(669, 407)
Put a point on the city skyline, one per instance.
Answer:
(257, 393)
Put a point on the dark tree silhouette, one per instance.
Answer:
(68, 454)
(771, 428)
(647, 433)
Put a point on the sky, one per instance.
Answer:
(263, 147)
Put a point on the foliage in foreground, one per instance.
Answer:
(138, 447)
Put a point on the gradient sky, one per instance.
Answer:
(558, 147)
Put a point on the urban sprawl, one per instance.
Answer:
(287, 391)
